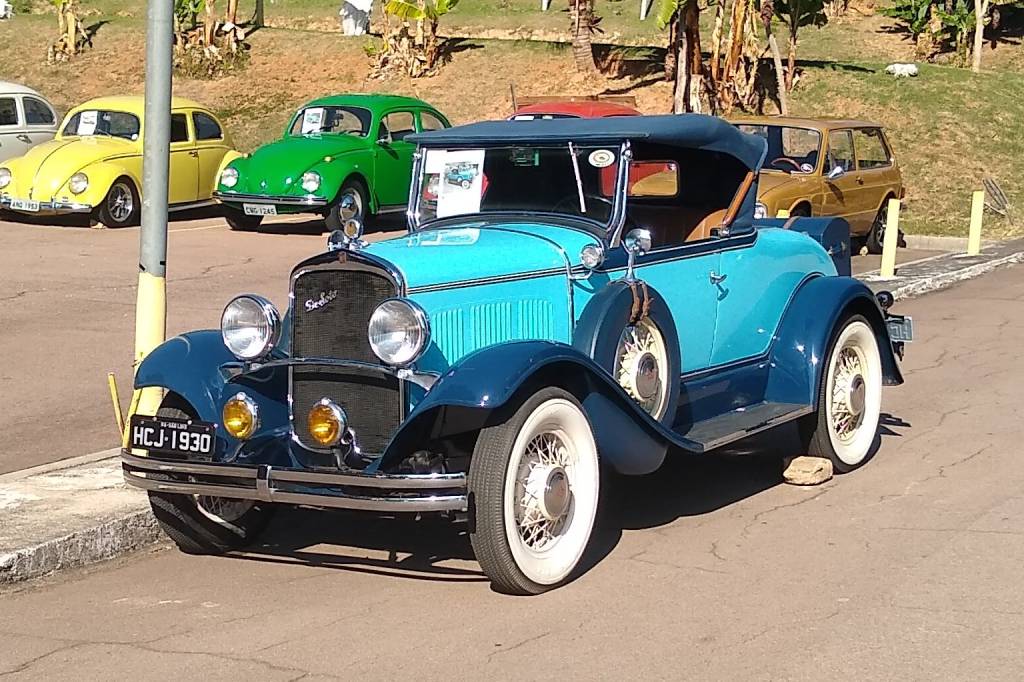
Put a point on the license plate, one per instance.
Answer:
(901, 328)
(24, 205)
(173, 436)
(259, 209)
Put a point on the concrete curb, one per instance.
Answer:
(944, 281)
(936, 243)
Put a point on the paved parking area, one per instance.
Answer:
(67, 315)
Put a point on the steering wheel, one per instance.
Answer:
(793, 163)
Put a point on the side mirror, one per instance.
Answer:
(636, 243)
(385, 138)
(836, 173)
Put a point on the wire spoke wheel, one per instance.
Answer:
(223, 509)
(641, 366)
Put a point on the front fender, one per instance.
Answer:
(102, 175)
(800, 349)
(486, 386)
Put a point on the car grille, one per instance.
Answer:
(331, 313)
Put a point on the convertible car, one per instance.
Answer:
(556, 319)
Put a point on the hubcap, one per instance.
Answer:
(544, 494)
(849, 394)
(350, 206)
(120, 203)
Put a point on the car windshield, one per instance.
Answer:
(790, 149)
(567, 179)
(107, 123)
(324, 120)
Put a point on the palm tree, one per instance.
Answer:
(583, 26)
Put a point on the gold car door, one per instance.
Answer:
(839, 176)
(184, 163)
(876, 169)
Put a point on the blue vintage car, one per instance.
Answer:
(602, 298)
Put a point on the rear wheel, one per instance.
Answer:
(120, 208)
(849, 398)
(800, 211)
(534, 481)
(876, 236)
(200, 524)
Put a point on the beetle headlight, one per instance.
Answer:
(5, 177)
(311, 181)
(399, 331)
(250, 327)
(78, 183)
(760, 211)
(229, 177)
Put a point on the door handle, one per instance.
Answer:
(860, 180)
(715, 278)
(194, 154)
(24, 138)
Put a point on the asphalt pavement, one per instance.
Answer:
(710, 568)
(67, 315)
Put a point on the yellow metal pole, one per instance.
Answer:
(891, 239)
(782, 213)
(977, 211)
(150, 332)
(116, 399)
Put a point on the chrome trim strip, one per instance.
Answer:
(412, 210)
(741, 240)
(486, 280)
(393, 208)
(47, 206)
(239, 198)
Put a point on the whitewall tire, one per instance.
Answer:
(849, 399)
(535, 482)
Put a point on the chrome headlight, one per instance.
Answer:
(311, 181)
(250, 327)
(5, 177)
(399, 331)
(78, 183)
(760, 211)
(229, 177)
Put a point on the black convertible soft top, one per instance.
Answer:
(691, 131)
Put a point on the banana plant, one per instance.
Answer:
(417, 52)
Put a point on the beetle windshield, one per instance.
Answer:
(333, 120)
(109, 123)
(790, 150)
(568, 179)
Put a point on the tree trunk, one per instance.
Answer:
(780, 82)
(791, 61)
(210, 25)
(582, 16)
(699, 102)
(680, 93)
(672, 51)
(980, 9)
(716, 40)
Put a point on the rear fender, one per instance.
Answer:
(801, 345)
(833, 234)
(488, 385)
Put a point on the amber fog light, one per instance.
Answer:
(240, 416)
(327, 423)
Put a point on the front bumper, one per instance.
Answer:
(48, 207)
(239, 198)
(265, 483)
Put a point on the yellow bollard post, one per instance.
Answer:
(977, 211)
(150, 331)
(890, 240)
(782, 213)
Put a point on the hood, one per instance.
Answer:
(275, 168)
(769, 182)
(450, 255)
(47, 166)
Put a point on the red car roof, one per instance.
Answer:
(581, 109)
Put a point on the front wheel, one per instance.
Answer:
(351, 203)
(201, 524)
(534, 481)
(120, 208)
(849, 398)
(240, 222)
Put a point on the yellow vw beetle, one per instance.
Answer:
(94, 165)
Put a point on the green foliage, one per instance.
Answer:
(799, 13)
(913, 14)
(186, 11)
(22, 6)
(410, 10)
(666, 11)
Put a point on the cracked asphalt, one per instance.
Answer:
(909, 568)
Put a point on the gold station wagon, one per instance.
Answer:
(827, 167)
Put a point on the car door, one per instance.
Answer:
(211, 146)
(40, 119)
(184, 166)
(13, 139)
(841, 193)
(875, 167)
(393, 156)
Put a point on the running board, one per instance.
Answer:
(740, 423)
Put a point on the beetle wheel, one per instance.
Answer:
(120, 208)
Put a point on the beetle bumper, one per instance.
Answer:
(265, 483)
(238, 198)
(47, 207)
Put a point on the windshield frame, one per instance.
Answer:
(765, 168)
(370, 117)
(64, 134)
(609, 230)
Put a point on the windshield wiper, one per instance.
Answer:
(579, 179)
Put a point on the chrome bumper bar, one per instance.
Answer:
(48, 207)
(238, 198)
(380, 492)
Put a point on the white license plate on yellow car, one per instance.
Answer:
(24, 205)
(259, 209)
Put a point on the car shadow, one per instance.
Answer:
(435, 549)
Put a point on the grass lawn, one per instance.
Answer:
(949, 127)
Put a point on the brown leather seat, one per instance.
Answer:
(677, 224)
(709, 222)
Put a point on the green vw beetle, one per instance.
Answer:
(342, 157)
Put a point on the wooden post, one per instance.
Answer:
(891, 239)
(974, 236)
